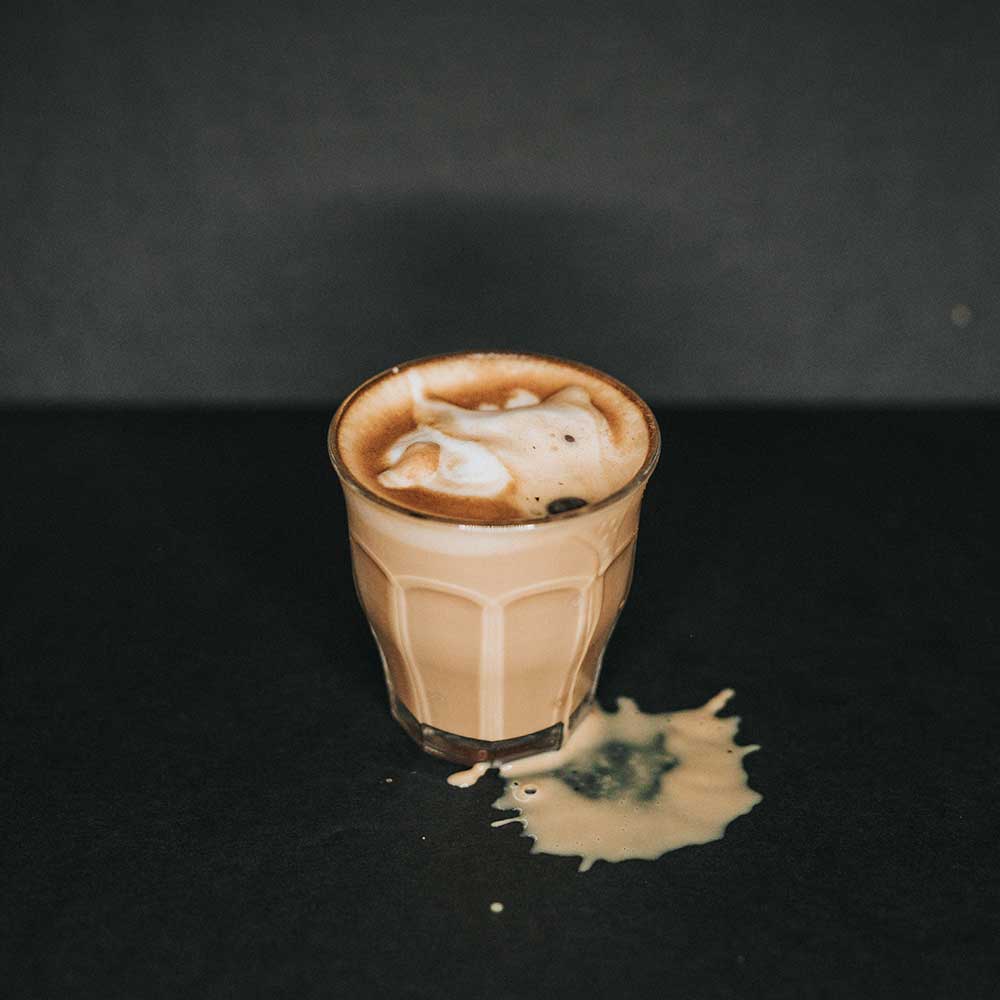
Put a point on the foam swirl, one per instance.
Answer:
(534, 451)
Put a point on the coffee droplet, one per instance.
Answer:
(564, 504)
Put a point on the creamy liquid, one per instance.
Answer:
(494, 437)
(629, 784)
(489, 631)
(492, 634)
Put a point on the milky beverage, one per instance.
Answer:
(493, 503)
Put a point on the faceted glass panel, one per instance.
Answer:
(542, 637)
(616, 582)
(445, 645)
(377, 594)
(374, 589)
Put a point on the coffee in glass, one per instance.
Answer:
(493, 503)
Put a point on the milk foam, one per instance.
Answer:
(539, 450)
(459, 468)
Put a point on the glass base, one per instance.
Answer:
(466, 750)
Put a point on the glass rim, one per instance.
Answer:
(348, 478)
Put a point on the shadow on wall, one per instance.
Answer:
(713, 202)
(301, 303)
(354, 288)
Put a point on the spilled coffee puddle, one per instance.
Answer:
(629, 784)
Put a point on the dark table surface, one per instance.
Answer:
(196, 743)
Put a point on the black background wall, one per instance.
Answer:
(266, 202)
(202, 793)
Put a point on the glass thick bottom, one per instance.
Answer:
(466, 750)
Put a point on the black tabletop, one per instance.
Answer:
(197, 745)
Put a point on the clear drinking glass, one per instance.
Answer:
(492, 635)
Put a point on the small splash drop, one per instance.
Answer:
(467, 778)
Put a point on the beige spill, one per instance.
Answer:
(466, 779)
(496, 907)
(632, 785)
